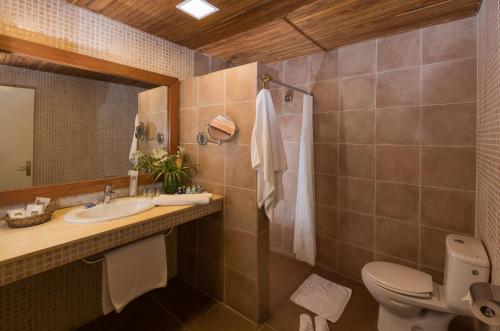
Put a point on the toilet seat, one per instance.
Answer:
(400, 279)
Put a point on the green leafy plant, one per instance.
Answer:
(173, 169)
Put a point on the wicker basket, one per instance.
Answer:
(31, 220)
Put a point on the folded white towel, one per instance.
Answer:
(182, 199)
(321, 324)
(322, 297)
(132, 270)
(306, 323)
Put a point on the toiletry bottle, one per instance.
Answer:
(134, 176)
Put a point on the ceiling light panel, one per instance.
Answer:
(197, 8)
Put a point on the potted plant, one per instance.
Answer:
(173, 169)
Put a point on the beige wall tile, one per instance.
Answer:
(240, 249)
(326, 190)
(451, 125)
(211, 277)
(287, 238)
(398, 201)
(450, 41)
(357, 59)
(292, 155)
(432, 247)
(290, 126)
(327, 221)
(211, 163)
(324, 66)
(211, 89)
(290, 184)
(357, 127)
(356, 229)
(453, 167)
(385, 258)
(326, 253)
(357, 194)
(398, 88)
(357, 161)
(275, 236)
(325, 127)
(399, 51)
(242, 294)
(326, 159)
(452, 210)
(241, 83)
(238, 167)
(241, 209)
(352, 259)
(188, 93)
(396, 239)
(188, 125)
(357, 92)
(399, 126)
(295, 105)
(296, 71)
(449, 82)
(398, 163)
(326, 96)
(211, 240)
(243, 114)
(206, 114)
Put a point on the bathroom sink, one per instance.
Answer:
(116, 208)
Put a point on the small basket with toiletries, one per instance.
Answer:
(39, 212)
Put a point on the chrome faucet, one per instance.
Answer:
(108, 193)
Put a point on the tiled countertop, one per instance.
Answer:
(28, 251)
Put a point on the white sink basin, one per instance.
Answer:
(116, 208)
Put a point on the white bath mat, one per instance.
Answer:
(322, 297)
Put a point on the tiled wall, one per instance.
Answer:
(82, 127)
(225, 255)
(394, 133)
(60, 24)
(488, 133)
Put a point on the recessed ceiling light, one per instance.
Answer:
(197, 8)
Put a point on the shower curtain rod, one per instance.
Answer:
(266, 78)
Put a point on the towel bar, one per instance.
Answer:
(100, 259)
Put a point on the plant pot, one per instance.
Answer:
(170, 186)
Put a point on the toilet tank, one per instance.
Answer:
(466, 263)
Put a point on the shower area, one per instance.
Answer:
(383, 191)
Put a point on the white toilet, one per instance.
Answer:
(410, 301)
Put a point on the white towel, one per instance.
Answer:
(133, 146)
(306, 323)
(304, 243)
(182, 199)
(132, 270)
(321, 324)
(322, 297)
(268, 154)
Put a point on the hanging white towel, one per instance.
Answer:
(132, 270)
(133, 146)
(322, 297)
(182, 199)
(268, 154)
(304, 243)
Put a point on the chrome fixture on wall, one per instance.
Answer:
(140, 134)
(220, 129)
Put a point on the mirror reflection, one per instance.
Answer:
(222, 128)
(58, 128)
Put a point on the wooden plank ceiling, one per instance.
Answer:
(243, 31)
(32, 63)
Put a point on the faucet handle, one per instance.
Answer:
(109, 189)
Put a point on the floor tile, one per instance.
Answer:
(187, 303)
(173, 286)
(221, 318)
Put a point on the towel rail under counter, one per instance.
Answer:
(99, 259)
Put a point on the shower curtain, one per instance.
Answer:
(304, 244)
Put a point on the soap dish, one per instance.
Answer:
(31, 220)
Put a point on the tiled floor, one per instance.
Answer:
(182, 307)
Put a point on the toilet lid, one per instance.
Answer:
(400, 279)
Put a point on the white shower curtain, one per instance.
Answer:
(304, 244)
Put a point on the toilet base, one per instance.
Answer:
(426, 320)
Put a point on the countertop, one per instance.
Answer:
(31, 250)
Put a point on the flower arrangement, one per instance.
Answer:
(173, 168)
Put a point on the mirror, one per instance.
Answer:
(222, 128)
(60, 128)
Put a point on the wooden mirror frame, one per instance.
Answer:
(79, 61)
